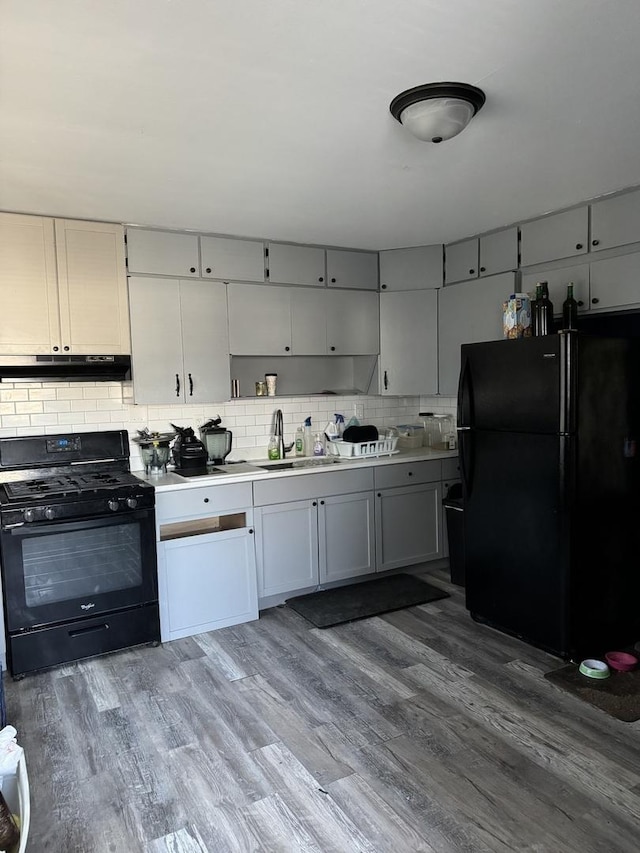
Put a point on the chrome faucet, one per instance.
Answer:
(278, 431)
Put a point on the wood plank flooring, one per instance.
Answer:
(415, 731)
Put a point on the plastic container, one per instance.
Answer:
(410, 436)
(318, 444)
(273, 450)
(299, 442)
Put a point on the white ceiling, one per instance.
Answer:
(270, 118)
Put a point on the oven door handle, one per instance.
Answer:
(49, 527)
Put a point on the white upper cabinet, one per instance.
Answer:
(561, 235)
(409, 342)
(353, 323)
(229, 259)
(499, 251)
(291, 264)
(30, 321)
(415, 268)
(308, 320)
(66, 284)
(461, 261)
(469, 313)
(163, 253)
(615, 221)
(180, 345)
(615, 282)
(352, 269)
(259, 320)
(92, 285)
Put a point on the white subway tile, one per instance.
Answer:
(15, 420)
(30, 408)
(40, 420)
(67, 418)
(7, 432)
(70, 392)
(93, 417)
(42, 393)
(98, 392)
(7, 408)
(57, 405)
(12, 395)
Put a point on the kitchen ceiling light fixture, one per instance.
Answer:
(434, 112)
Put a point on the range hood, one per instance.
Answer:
(65, 368)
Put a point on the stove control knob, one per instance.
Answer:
(29, 515)
(113, 505)
(49, 513)
(132, 503)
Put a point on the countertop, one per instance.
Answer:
(241, 472)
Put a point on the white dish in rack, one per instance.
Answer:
(363, 449)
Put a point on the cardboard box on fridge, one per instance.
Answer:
(517, 316)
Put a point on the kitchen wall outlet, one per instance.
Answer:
(358, 411)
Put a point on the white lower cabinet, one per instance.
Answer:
(206, 559)
(326, 534)
(408, 514)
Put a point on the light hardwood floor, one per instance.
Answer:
(415, 731)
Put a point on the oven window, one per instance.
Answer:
(74, 564)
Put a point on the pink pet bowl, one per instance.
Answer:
(621, 661)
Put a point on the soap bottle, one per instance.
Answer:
(340, 424)
(308, 439)
(299, 445)
(273, 450)
(318, 444)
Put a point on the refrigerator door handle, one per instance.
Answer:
(465, 397)
(465, 445)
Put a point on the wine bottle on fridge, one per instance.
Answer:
(570, 310)
(535, 318)
(545, 311)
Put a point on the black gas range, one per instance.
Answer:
(77, 544)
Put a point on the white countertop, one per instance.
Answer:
(240, 472)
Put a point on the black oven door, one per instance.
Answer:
(60, 571)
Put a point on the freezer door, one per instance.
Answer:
(515, 537)
(513, 385)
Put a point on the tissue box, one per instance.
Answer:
(517, 316)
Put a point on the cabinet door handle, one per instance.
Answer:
(580, 303)
(333, 281)
(321, 278)
(208, 269)
(55, 349)
(286, 349)
(66, 349)
(190, 386)
(595, 300)
(315, 503)
(250, 530)
(483, 269)
(192, 269)
(386, 381)
(578, 245)
(321, 503)
(379, 494)
(383, 287)
(333, 349)
(595, 242)
(409, 473)
(471, 272)
(206, 500)
(177, 385)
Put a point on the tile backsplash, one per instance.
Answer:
(51, 407)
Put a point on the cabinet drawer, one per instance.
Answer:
(407, 474)
(451, 469)
(202, 501)
(308, 486)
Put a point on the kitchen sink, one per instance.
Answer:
(319, 462)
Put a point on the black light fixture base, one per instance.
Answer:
(428, 91)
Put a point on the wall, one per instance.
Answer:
(36, 408)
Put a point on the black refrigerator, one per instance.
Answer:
(549, 437)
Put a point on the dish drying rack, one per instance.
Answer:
(362, 449)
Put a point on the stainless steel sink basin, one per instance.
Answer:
(317, 462)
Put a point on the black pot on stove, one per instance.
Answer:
(188, 451)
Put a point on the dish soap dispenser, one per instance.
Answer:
(340, 424)
(299, 445)
(273, 450)
(308, 439)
